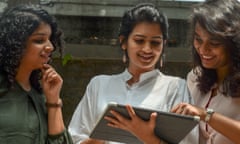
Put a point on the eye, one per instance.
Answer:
(156, 43)
(139, 41)
(215, 43)
(39, 41)
(198, 39)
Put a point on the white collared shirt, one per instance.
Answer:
(154, 90)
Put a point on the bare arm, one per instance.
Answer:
(52, 83)
(93, 141)
(226, 126)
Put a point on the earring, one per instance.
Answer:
(161, 62)
(124, 58)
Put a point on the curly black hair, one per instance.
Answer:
(16, 25)
(221, 19)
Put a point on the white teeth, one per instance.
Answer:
(207, 57)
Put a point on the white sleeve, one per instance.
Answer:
(183, 94)
(193, 136)
(83, 118)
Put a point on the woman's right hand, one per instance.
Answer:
(144, 130)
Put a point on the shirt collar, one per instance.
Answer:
(144, 76)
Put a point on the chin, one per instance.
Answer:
(209, 67)
(39, 67)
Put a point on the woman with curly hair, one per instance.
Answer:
(30, 106)
(214, 82)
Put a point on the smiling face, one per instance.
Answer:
(144, 47)
(212, 51)
(38, 48)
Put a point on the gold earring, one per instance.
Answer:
(161, 63)
(161, 60)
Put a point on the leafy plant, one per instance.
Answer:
(66, 59)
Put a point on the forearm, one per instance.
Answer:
(92, 141)
(55, 120)
(226, 126)
(153, 140)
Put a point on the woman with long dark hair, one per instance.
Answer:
(214, 82)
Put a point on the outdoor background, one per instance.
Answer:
(90, 30)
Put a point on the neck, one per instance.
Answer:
(23, 79)
(222, 73)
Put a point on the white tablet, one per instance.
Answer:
(170, 127)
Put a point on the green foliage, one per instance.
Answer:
(66, 59)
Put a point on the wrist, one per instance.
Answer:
(208, 115)
(57, 104)
(155, 140)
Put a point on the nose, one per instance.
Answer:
(147, 48)
(49, 47)
(203, 48)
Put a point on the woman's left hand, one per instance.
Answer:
(51, 83)
(144, 130)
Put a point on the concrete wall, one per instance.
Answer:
(113, 8)
(96, 37)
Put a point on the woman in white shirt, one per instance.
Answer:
(143, 34)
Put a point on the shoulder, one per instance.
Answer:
(192, 82)
(171, 82)
(104, 79)
(173, 79)
(192, 76)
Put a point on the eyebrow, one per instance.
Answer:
(34, 34)
(211, 38)
(155, 37)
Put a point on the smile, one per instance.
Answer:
(146, 58)
(207, 57)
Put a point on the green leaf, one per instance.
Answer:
(66, 59)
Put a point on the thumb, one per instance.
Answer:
(153, 118)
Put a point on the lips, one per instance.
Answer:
(207, 57)
(146, 58)
(207, 60)
(46, 57)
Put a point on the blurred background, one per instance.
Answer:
(90, 30)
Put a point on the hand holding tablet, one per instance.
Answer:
(170, 127)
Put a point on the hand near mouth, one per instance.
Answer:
(51, 83)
